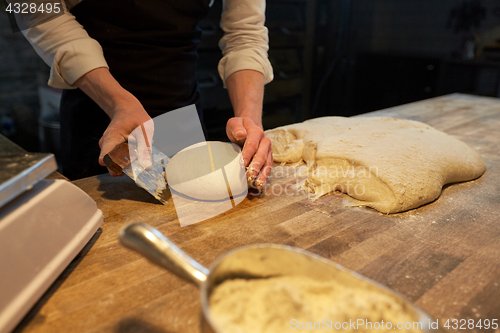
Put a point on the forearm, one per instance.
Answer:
(126, 111)
(246, 91)
(103, 89)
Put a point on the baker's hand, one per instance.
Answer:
(129, 122)
(126, 112)
(257, 154)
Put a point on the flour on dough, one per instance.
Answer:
(391, 165)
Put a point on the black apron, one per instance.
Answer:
(151, 50)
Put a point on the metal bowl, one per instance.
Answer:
(249, 262)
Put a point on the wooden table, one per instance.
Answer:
(444, 256)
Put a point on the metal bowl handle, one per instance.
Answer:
(153, 245)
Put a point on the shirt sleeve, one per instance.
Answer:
(245, 42)
(67, 48)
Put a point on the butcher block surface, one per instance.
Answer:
(444, 256)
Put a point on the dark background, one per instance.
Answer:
(330, 57)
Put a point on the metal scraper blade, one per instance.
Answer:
(153, 180)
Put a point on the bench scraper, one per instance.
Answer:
(153, 179)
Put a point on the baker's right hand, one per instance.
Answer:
(129, 122)
(125, 111)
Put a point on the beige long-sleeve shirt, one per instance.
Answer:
(70, 52)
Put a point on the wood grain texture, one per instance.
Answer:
(443, 256)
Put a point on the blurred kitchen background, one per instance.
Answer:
(330, 57)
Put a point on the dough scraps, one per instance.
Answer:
(391, 165)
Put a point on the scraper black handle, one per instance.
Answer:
(118, 159)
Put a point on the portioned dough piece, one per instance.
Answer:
(391, 165)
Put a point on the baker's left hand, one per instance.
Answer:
(257, 153)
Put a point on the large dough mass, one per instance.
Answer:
(391, 165)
